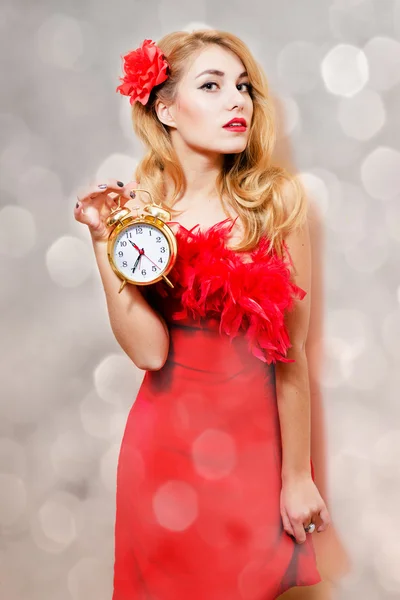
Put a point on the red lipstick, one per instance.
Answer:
(237, 124)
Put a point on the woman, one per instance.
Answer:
(215, 490)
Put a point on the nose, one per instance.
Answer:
(236, 99)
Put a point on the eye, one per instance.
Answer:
(211, 83)
(208, 83)
(248, 86)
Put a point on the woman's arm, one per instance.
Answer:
(292, 382)
(140, 331)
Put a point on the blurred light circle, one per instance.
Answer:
(39, 189)
(363, 115)
(386, 454)
(117, 379)
(60, 40)
(108, 467)
(71, 455)
(16, 147)
(13, 500)
(98, 515)
(369, 369)
(332, 184)
(367, 258)
(316, 190)
(352, 327)
(195, 26)
(345, 4)
(69, 261)
(392, 220)
(396, 17)
(288, 115)
(13, 130)
(334, 369)
(117, 166)
(98, 417)
(12, 457)
(17, 231)
(175, 505)
(57, 522)
(391, 330)
(386, 561)
(347, 216)
(90, 578)
(77, 100)
(214, 454)
(383, 54)
(345, 70)
(380, 173)
(297, 66)
(370, 516)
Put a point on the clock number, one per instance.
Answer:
(129, 234)
(123, 243)
(162, 249)
(143, 272)
(158, 239)
(120, 254)
(153, 268)
(150, 232)
(124, 263)
(160, 260)
(139, 230)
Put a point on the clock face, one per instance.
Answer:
(141, 252)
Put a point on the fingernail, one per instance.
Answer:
(103, 186)
(120, 184)
(77, 205)
(132, 194)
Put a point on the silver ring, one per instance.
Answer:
(310, 528)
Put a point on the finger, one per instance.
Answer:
(298, 528)
(126, 194)
(89, 193)
(286, 523)
(325, 518)
(87, 215)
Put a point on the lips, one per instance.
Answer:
(238, 122)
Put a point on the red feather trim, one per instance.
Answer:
(213, 281)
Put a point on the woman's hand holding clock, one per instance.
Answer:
(128, 237)
(95, 203)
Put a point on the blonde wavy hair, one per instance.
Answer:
(268, 199)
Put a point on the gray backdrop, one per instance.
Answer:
(334, 66)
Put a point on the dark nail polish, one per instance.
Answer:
(103, 186)
(120, 184)
(132, 194)
(77, 205)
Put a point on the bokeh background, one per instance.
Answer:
(66, 386)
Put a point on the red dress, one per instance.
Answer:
(199, 472)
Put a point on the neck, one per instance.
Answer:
(200, 171)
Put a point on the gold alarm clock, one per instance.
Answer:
(141, 249)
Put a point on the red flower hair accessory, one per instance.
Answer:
(144, 68)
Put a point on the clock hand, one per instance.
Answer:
(141, 251)
(150, 259)
(136, 263)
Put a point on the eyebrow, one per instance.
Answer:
(219, 73)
